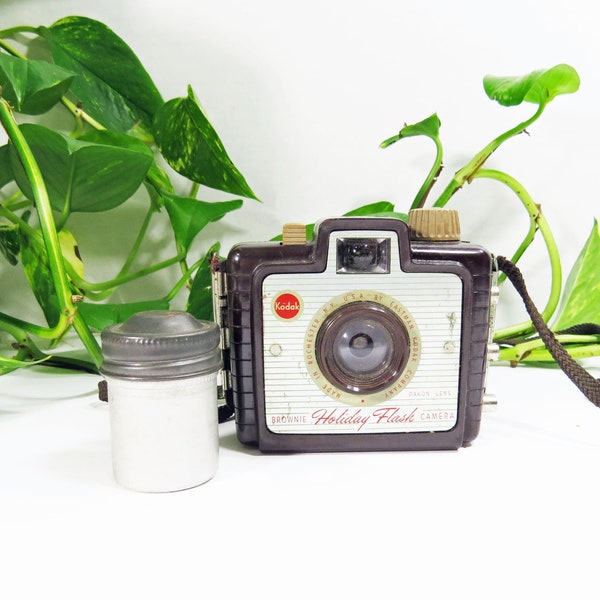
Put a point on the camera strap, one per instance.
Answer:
(586, 383)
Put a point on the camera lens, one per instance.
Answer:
(362, 347)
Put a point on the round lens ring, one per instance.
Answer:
(362, 347)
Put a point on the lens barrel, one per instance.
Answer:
(362, 347)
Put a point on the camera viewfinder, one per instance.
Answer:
(363, 255)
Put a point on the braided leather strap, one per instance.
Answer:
(588, 385)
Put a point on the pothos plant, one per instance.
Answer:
(124, 136)
(574, 312)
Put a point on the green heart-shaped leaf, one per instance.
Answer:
(189, 216)
(192, 147)
(581, 297)
(10, 242)
(6, 174)
(111, 83)
(7, 365)
(538, 87)
(429, 127)
(377, 209)
(38, 274)
(200, 300)
(368, 210)
(99, 316)
(94, 173)
(70, 251)
(32, 87)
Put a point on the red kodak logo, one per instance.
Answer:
(287, 305)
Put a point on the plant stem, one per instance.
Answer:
(79, 113)
(527, 240)
(10, 324)
(538, 221)
(42, 203)
(107, 286)
(9, 215)
(521, 352)
(18, 333)
(16, 202)
(10, 32)
(88, 339)
(183, 280)
(540, 355)
(432, 176)
(467, 172)
(183, 265)
(68, 311)
(138, 241)
(7, 47)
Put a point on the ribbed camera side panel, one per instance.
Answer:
(238, 315)
(477, 363)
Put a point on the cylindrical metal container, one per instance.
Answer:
(161, 373)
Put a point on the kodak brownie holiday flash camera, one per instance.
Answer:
(374, 335)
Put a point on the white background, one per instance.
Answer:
(514, 516)
(303, 93)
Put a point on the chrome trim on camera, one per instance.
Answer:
(490, 403)
(493, 349)
(219, 293)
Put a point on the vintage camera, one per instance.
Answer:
(373, 335)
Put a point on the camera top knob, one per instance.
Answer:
(293, 234)
(434, 224)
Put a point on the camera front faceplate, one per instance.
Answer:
(358, 340)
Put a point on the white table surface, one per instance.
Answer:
(513, 516)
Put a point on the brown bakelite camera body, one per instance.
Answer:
(373, 335)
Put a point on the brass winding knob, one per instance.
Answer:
(434, 224)
(294, 234)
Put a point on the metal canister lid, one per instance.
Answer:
(161, 344)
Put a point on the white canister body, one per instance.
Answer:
(164, 434)
(161, 370)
